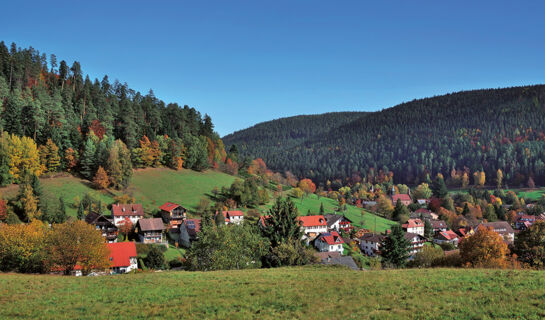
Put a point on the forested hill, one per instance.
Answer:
(288, 132)
(466, 131)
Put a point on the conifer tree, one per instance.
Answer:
(438, 187)
(81, 211)
(88, 160)
(395, 250)
(428, 229)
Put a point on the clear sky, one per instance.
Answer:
(251, 61)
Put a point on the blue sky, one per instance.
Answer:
(245, 62)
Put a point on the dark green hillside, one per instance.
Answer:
(478, 130)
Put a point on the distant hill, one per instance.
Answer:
(485, 129)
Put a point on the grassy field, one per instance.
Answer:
(151, 187)
(285, 293)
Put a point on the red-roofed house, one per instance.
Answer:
(524, 221)
(173, 214)
(404, 198)
(414, 226)
(313, 225)
(122, 257)
(133, 212)
(235, 217)
(330, 242)
(448, 236)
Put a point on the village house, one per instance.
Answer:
(438, 226)
(173, 214)
(370, 244)
(133, 212)
(417, 242)
(423, 214)
(502, 228)
(404, 198)
(193, 227)
(338, 222)
(106, 226)
(312, 226)
(235, 217)
(414, 226)
(329, 242)
(447, 236)
(524, 221)
(150, 230)
(123, 257)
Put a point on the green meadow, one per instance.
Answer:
(312, 292)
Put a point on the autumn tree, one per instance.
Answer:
(484, 249)
(22, 247)
(465, 180)
(384, 206)
(70, 159)
(297, 193)
(50, 156)
(27, 203)
(22, 156)
(531, 183)
(76, 243)
(423, 191)
(101, 180)
(530, 245)
(307, 186)
(125, 227)
(499, 178)
(3, 210)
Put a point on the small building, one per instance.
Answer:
(150, 230)
(447, 236)
(123, 257)
(193, 227)
(438, 225)
(414, 226)
(502, 228)
(404, 198)
(335, 258)
(423, 214)
(524, 221)
(417, 242)
(312, 226)
(234, 216)
(329, 242)
(104, 225)
(133, 212)
(370, 244)
(173, 214)
(338, 222)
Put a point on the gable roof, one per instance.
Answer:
(152, 224)
(448, 235)
(372, 237)
(413, 223)
(95, 218)
(402, 197)
(312, 221)
(331, 238)
(331, 219)
(121, 253)
(334, 258)
(410, 236)
(438, 224)
(235, 213)
(134, 209)
(169, 206)
(501, 227)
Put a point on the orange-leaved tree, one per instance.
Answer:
(101, 180)
(484, 249)
(307, 186)
(76, 243)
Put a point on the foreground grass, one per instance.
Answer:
(307, 292)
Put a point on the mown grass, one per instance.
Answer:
(285, 293)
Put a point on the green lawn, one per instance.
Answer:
(366, 220)
(151, 187)
(286, 293)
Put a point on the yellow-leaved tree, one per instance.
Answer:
(22, 154)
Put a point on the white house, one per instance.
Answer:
(122, 257)
(417, 242)
(448, 236)
(370, 244)
(235, 217)
(330, 242)
(313, 225)
(133, 212)
(337, 222)
(414, 226)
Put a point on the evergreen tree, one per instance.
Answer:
(322, 211)
(438, 188)
(282, 224)
(401, 212)
(465, 211)
(155, 259)
(428, 229)
(184, 239)
(88, 160)
(395, 250)
(61, 212)
(219, 219)
(81, 211)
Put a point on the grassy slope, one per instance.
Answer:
(307, 292)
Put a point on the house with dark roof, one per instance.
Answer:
(106, 226)
(173, 214)
(417, 242)
(438, 225)
(150, 230)
(447, 236)
(329, 242)
(193, 227)
(502, 228)
(122, 257)
(338, 222)
(370, 244)
(335, 258)
(132, 212)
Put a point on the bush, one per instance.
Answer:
(155, 258)
(175, 263)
